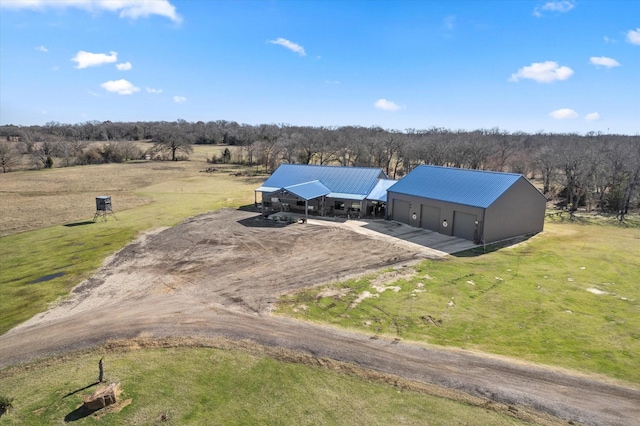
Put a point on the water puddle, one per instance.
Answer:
(47, 278)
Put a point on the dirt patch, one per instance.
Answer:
(229, 257)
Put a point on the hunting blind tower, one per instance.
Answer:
(103, 208)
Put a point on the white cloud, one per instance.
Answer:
(125, 8)
(332, 82)
(386, 105)
(121, 87)
(179, 99)
(449, 22)
(563, 114)
(125, 66)
(88, 59)
(543, 72)
(152, 90)
(604, 61)
(633, 36)
(294, 47)
(42, 49)
(562, 6)
(55, 68)
(592, 116)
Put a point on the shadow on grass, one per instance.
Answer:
(249, 208)
(86, 222)
(81, 389)
(78, 414)
(490, 248)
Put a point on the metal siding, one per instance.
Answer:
(476, 188)
(401, 211)
(464, 225)
(520, 211)
(430, 217)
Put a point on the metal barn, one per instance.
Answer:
(481, 206)
(324, 190)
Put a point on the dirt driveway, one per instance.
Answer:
(218, 275)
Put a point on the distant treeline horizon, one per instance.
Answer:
(598, 170)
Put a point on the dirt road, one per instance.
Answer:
(219, 274)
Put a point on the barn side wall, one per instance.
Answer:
(402, 208)
(519, 211)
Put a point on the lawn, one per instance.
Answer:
(228, 386)
(568, 297)
(42, 264)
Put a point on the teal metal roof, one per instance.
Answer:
(478, 188)
(349, 182)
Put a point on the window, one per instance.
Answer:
(300, 203)
(339, 205)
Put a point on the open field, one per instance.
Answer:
(63, 246)
(568, 297)
(225, 386)
(37, 199)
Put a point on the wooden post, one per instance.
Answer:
(101, 368)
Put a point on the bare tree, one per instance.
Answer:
(9, 156)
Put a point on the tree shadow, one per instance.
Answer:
(79, 413)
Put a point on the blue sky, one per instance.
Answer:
(554, 66)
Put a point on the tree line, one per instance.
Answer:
(598, 171)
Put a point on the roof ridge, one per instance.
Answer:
(470, 170)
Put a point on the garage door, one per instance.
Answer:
(464, 225)
(430, 217)
(401, 211)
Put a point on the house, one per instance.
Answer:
(476, 205)
(325, 190)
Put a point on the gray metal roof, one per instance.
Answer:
(379, 192)
(478, 188)
(352, 182)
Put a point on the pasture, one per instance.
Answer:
(49, 243)
(568, 297)
(225, 384)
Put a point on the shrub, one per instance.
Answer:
(6, 403)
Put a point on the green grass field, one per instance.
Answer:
(42, 265)
(222, 387)
(569, 297)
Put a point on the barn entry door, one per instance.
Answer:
(464, 225)
(430, 217)
(401, 211)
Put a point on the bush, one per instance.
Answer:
(6, 403)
